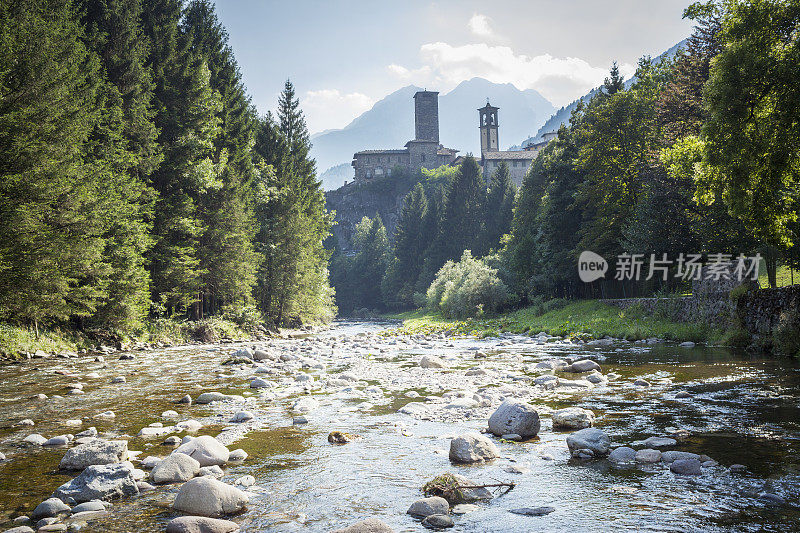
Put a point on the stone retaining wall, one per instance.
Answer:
(758, 310)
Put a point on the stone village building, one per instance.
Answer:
(425, 151)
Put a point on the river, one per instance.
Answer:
(740, 409)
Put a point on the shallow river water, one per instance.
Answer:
(740, 409)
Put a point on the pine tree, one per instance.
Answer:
(614, 82)
(499, 210)
(463, 212)
(51, 253)
(411, 239)
(225, 249)
(292, 220)
(122, 152)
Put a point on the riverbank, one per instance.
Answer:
(19, 342)
(586, 318)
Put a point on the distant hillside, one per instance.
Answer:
(390, 124)
(562, 115)
(334, 177)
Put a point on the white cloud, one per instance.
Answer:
(560, 80)
(479, 25)
(330, 108)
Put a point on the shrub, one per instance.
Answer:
(786, 335)
(468, 288)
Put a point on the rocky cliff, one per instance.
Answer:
(354, 201)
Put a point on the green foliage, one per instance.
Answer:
(752, 132)
(499, 208)
(467, 288)
(129, 182)
(354, 278)
(786, 335)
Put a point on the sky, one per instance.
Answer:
(345, 55)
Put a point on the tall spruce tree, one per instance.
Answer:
(462, 216)
(411, 239)
(51, 253)
(499, 209)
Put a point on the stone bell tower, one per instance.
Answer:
(488, 126)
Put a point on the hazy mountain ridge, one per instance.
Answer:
(562, 115)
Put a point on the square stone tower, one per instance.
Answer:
(426, 116)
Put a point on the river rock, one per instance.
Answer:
(686, 467)
(573, 418)
(596, 378)
(305, 405)
(623, 454)
(208, 397)
(35, 438)
(657, 442)
(237, 455)
(99, 482)
(592, 439)
(96, 452)
(428, 506)
(190, 425)
(90, 506)
(206, 450)
(584, 365)
(60, 440)
(243, 352)
(242, 416)
(150, 462)
(49, 507)
(546, 382)
(641, 383)
(672, 455)
(467, 495)
(533, 511)
(259, 383)
(118, 379)
(648, 455)
(438, 521)
(20, 529)
(687, 344)
(574, 384)
(201, 524)
(431, 361)
(683, 395)
(175, 468)
(515, 417)
(205, 496)
(472, 448)
(370, 525)
(89, 432)
(212, 471)
(737, 469)
(186, 399)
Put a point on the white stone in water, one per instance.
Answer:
(74, 422)
(515, 417)
(170, 414)
(206, 450)
(96, 452)
(573, 418)
(205, 496)
(118, 379)
(92, 375)
(259, 383)
(237, 455)
(25, 422)
(150, 462)
(189, 425)
(305, 405)
(60, 440)
(175, 469)
(472, 448)
(591, 439)
(242, 416)
(245, 481)
(431, 361)
(106, 415)
(35, 438)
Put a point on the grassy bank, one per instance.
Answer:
(587, 318)
(16, 341)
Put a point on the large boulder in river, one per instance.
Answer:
(686, 467)
(208, 397)
(472, 448)
(99, 482)
(205, 496)
(96, 452)
(206, 450)
(573, 418)
(513, 417)
(176, 468)
(201, 524)
(370, 525)
(593, 440)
